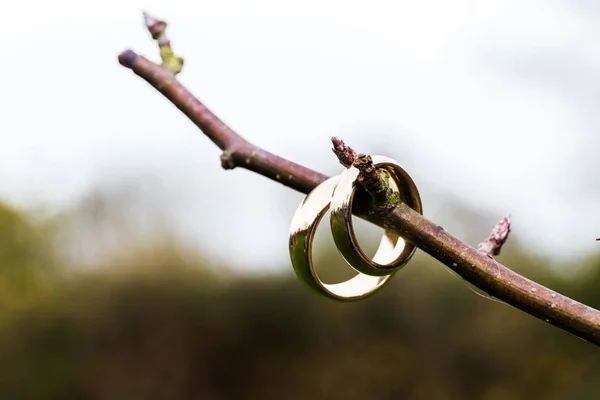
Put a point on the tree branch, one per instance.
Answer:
(472, 265)
(237, 152)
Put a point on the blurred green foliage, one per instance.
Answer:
(158, 323)
(25, 256)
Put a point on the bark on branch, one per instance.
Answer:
(472, 265)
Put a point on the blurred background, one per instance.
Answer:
(132, 266)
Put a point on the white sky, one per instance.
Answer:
(494, 102)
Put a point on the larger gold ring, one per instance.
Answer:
(394, 252)
(302, 232)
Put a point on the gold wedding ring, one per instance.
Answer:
(302, 232)
(393, 252)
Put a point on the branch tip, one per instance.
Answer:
(155, 26)
(127, 58)
(343, 152)
(499, 235)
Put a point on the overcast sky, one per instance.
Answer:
(491, 102)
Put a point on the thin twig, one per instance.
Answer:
(493, 244)
(343, 152)
(158, 30)
(472, 265)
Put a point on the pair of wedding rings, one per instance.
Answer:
(337, 194)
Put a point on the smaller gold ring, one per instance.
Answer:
(393, 252)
